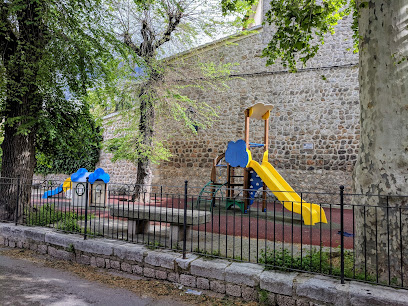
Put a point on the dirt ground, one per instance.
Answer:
(142, 287)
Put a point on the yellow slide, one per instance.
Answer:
(311, 213)
(67, 184)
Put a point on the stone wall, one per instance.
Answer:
(239, 280)
(122, 172)
(316, 107)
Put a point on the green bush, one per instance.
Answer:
(315, 261)
(48, 215)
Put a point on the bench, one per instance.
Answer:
(139, 217)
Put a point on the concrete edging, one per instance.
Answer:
(245, 280)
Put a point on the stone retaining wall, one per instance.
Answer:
(242, 280)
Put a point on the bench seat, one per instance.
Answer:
(140, 215)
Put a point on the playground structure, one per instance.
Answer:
(74, 187)
(255, 176)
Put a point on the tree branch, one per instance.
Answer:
(174, 20)
(129, 43)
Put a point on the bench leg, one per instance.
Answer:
(137, 227)
(177, 232)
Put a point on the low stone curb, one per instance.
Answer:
(243, 280)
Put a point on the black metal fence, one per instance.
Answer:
(365, 237)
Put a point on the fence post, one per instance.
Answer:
(185, 220)
(86, 207)
(18, 201)
(342, 233)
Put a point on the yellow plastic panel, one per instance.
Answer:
(67, 184)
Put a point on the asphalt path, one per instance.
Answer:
(26, 283)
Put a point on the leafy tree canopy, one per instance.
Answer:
(299, 27)
(47, 50)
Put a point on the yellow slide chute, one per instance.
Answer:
(311, 213)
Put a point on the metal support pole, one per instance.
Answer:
(86, 208)
(342, 233)
(18, 201)
(185, 220)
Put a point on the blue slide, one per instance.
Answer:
(52, 192)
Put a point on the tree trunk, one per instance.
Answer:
(22, 107)
(382, 166)
(146, 129)
(18, 164)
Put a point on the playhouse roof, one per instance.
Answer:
(258, 110)
(81, 175)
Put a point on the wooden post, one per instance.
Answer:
(247, 128)
(266, 133)
(228, 181)
(246, 170)
(266, 147)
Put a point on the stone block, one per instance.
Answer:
(107, 264)
(284, 300)
(60, 254)
(363, 294)
(271, 298)
(209, 268)
(243, 274)
(130, 252)
(184, 264)
(302, 302)
(149, 272)
(114, 264)
(203, 283)
(249, 293)
(2, 240)
(84, 260)
(12, 231)
(42, 248)
(233, 290)
(161, 274)
(217, 286)
(62, 240)
(124, 266)
(277, 282)
(100, 262)
(173, 277)
(137, 269)
(97, 247)
(35, 234)
(161, 259)
(188, 280)
(12, 243)
(93, 261)
(20, 244)
(319, 288)
(33, 246)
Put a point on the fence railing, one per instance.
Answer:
(365, 237)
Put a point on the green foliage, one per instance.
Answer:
(66, 143)
(300, 28)
(51, 53)
(244, 7)
(315, 260)
(263, 296)
(47, 215)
